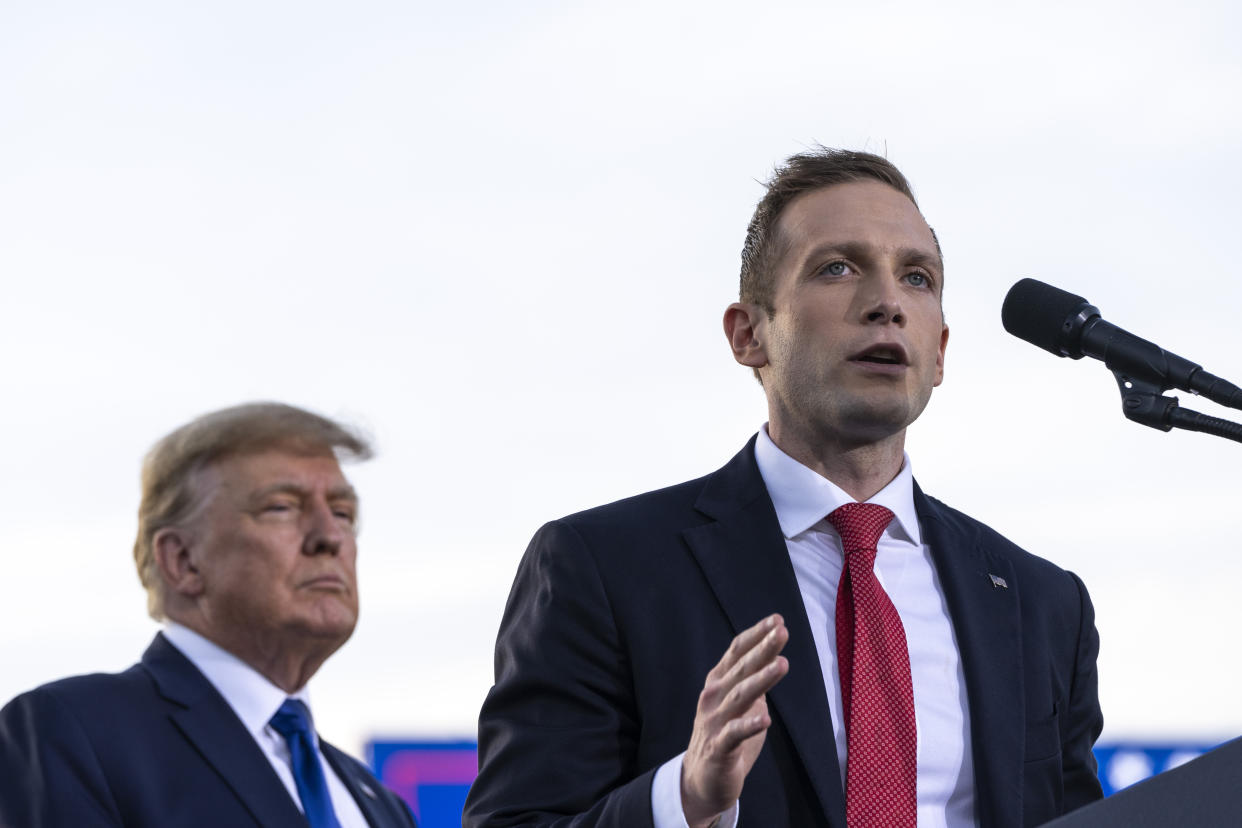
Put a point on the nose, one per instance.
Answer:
(881, 301)
(325, 532)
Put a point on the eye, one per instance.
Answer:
(837, 268)
(279, 507)
(917, 279)
(347, 514)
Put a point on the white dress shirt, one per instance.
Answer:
(803, 499)
(255, 700)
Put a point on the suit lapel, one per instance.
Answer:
(360, 788)
(987, 624)
(746, 563)
(206, 720)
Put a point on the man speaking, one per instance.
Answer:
(246, 548)
(802, 638)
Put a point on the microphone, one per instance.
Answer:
(1069, 326)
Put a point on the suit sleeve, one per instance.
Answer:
(1084, 720)
(49, 772)
(559, 729)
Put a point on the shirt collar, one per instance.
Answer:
(253, 698)
(804, 497)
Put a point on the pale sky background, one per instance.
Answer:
(500, 238)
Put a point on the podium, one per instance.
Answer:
(1203, 793)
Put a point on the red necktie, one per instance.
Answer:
(878, 697)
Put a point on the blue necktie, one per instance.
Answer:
(293, 722)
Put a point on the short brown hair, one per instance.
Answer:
(802, 173)
(169, 496)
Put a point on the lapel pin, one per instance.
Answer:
(998, 581)
(366, 789)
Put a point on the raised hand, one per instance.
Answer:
(732, 721)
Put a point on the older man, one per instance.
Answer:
(801, 638)
(246, 548)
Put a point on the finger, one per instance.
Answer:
(744, 641)
(763, 653)
(738, 730)
(741, 663)
(745, 693)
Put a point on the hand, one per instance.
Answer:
(732, 721)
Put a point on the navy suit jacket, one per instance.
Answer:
(156, 745)
(618, 613)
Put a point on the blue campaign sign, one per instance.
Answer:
(1124, 763)
(433, 777)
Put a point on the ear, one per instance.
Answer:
(944, 341)
(745, 325)
(171, 546)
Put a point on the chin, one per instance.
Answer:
(871, 422)
(329, 622)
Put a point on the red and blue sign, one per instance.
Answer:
(433, 777)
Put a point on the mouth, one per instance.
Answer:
(331, 583)
(882, 355)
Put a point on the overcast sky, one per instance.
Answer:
(500, 237)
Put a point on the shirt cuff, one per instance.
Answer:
(666, 809)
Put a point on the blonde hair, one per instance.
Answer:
(169, 496)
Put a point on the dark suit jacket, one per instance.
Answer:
(156, 745)
(618, 613)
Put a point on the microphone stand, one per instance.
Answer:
(1144, 402)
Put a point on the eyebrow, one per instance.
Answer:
(345, 492)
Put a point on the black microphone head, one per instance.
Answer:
(1045, 316)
